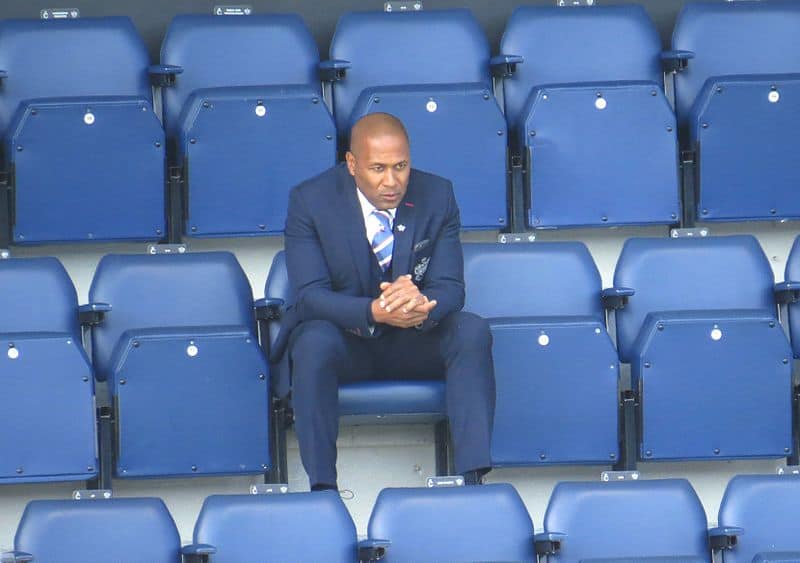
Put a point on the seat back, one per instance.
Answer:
(792, 273)
(37, 295)
(766, 508)
(731, 38)
(628, 519)
(597, 44)
(167, 290)
(257, 50)
(488, 523)
(70, 58)
(543, 279)
(687, 275)
(388, 49)
(98, 531)
(289, 527)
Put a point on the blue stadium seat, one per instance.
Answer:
(96, 531)
(430, 69)
(485, 523)
(584, 101)
(552, 353)
(83, 146)
(735, 104)
(297, 527)
(625, 522)
(245, 118)
(709, 359)
(761, 512)
(46, 388)
(417, 401)
(792, 283)
(180, 353)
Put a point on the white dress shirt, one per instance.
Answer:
(372, 223)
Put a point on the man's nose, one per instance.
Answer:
(389, 178)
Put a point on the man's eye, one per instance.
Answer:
(377, 168)
(401, 166)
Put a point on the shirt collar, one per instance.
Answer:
(367, 208)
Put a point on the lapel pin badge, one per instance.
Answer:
(401, 228)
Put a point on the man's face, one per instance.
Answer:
(381, 167)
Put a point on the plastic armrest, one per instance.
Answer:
(164, 75)
(676, 60)
(616, 297)
(548, 543)
(269, 309)
(333, 70)
(787, 292)
(372, 550)
(724, 537)
(15, 556)
(504, 66)
(93, 314)
(197, 552)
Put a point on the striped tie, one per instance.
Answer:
(383, 241)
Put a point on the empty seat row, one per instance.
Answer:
(173, 338)
(587, 120)
(619, 522)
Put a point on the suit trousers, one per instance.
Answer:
(458, 349)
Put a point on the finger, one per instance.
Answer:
(402, 299)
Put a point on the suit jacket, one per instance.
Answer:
(329, 270)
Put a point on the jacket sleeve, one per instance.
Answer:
(444, 279)
(310, 277)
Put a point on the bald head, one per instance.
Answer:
(375, 125)
(379, 159)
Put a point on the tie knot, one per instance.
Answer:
(384, 217)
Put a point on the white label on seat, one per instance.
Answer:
(600, 103)
(431, 106)
(716, 334)
(191, 350)
(261, 111)
(774, 96)
(13, 353)
(88, 118)
(544, 340)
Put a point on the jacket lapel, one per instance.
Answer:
(353, 227)
(404, 224)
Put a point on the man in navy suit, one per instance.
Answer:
(374, 257)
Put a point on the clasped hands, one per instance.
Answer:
(401, 304)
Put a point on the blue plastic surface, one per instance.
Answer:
(600, 154)
(434, 116)
(257, 50)
(706, 268)
(191, 401)
(597, 44)
(86, 169)
(744, 128)
(766, 507)
(99, 531)
(486, 523)
(438, 47)
(46, 381)
(552, 354)
(301, 527)
(791, 274)
(246, 147)
(167, 290)
(630, 519)
(730, 38)
(721, 377)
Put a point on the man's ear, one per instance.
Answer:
(351, 162)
